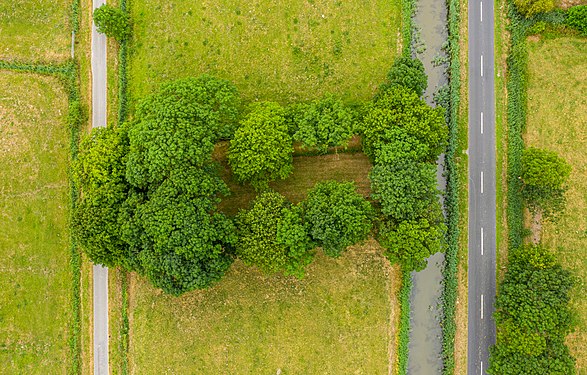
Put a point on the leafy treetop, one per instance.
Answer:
(113, 22)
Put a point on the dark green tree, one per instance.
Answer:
(272, 236)
(325, 123)
(409, 243)
(113, 22)
(401, 109)
(337, 216)
(545, 176)
(184, 238)
(406, 191)
(408, 73)
(261, 150)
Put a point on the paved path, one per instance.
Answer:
(100, 273)
(481, 186)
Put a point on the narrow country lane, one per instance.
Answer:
(100, 274)
(481, 327)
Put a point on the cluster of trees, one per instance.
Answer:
(150, 189)
(404, 136)
(277, 236)
(533, 316)
(544, 177)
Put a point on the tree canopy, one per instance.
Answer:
(532, 316)
(408, 73)
(150, 190)
(261, 150)
(401, 110)
(410, 242)
(577, 18)
(406, 191)
(544, 175)
(272, 236)
(325, 123)
(337, 216)
(113, 22)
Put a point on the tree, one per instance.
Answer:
(401, 148)
(406, 72)
(261, 150)
(400, 108)
(530, 8)
(325, 123)
(533, 315)
(406, 191)
(113, 22)
(178, 126)
(544, 177)
(185, 240)
(272, 236)
(410, 242)
(577, 18)
(337, 216)
(99, 171)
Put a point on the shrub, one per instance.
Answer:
(261, 150)
(337, 216)
(113, 22)
(272, 236)
(530, 8)
(577, 18)
(544, 177)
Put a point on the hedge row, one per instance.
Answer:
(123, 74)
(404, 322)
(408, 10)
(451, 201)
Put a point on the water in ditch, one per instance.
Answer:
(425, 315)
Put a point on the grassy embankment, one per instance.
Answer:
(341, 317)
(557, 120)
(35, 298)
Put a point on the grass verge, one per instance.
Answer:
(36, 298)
(559, 123)
(337, 320)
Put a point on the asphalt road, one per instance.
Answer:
(481, 186)
(100, 274)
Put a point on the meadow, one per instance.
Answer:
(35, 31)
(557, 120)
(35, 275)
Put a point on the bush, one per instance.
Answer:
(113, 22)
(272, 236)
(261, 150)
(544, 176)
(325, 123)
(530, 8)
(337, 216)
(577, 18)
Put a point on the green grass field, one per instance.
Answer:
(557, 120)
(35, 30)
(338, 320)
(35, 274)
(284, 51)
